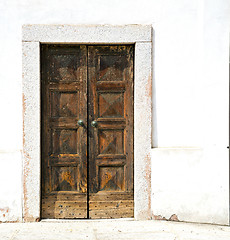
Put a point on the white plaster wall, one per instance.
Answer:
(190, 169)
(10, 187)
(190, 161)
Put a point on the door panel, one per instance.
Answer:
(110, 96)
(64, 143)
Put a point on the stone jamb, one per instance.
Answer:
(32, 36)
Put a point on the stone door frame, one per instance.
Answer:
(32, 37)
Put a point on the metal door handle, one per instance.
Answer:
(94, 123)
(80, 123)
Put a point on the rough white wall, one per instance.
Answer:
(191, 166)
(10, 187)
(190, 85)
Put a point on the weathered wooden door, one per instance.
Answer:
(64, 142)
(87, 131)
(110, 86)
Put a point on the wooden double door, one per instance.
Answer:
(87, 131)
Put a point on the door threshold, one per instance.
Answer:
(86, 220)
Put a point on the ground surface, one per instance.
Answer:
(112, 229)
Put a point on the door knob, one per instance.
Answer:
(94, 123)
(80, 123)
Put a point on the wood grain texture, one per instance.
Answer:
(64, 143)
(87, 171)
(110, 83)
(111, 205)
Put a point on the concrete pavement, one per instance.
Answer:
(112, 229)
